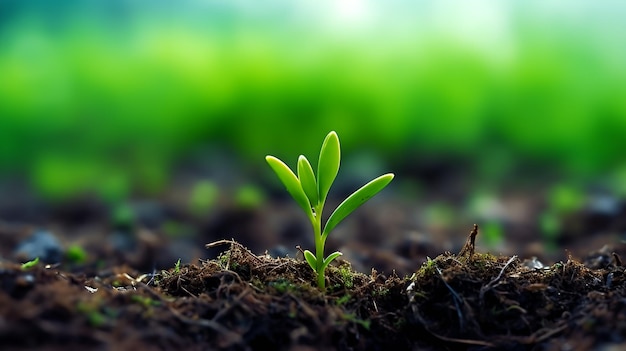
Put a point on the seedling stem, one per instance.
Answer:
(310, 193)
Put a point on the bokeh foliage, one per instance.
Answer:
(111, 96)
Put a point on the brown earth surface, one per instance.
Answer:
(243, 301)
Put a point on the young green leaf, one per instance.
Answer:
(291, 182)
(310, 193)
(311, 260)
(355, 200)
(30, 264)
(330, 258)
(177, 267)
(307, 179)
(328, 165)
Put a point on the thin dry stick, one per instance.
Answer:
(455, 297)
(495, 281)
(617, 259)
(228, 307)
(470, 243)
(233, 338)
(541, 334)
(449, 339)
(232, 244)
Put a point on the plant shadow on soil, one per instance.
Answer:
(241, 301)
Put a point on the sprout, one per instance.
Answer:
(310, 192)
(30, 264)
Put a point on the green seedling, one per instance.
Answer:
(365, 323)
(92, 312)
(343, 300)
(177, 267)
(76, 254)
(144, 301)
(310, 192)
(30, 264)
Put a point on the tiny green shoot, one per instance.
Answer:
(310, 192)
(343, 299)
(76, 254)
(30, 264)
(177, 267)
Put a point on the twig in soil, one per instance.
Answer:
(470, 243)
(187, 291)
(495, 281)
(463, 341)
(148, 290)
(448, 339)
(233, 243)
(455, 297)
(227, 308)
(224, 287)
(233, 338)
(278, 266)
(300, 249)
(537, 338)
(308, 311)
(542, 334)
(617, 259)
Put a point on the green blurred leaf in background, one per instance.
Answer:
(108, 97)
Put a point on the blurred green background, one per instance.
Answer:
(110, 96)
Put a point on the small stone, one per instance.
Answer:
(42, 244)
(280, 251)
(533, 263)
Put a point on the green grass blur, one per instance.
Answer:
(110, 97)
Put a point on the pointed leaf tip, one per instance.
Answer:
(292, 183)
(328, 165)
(307, 179)
(310, 259)
(355, 200)
(330, 258)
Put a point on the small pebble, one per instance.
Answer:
(123, 241)
(42, 244)
(533, 263)
(25, 281)
(281, 251)
(604, 204)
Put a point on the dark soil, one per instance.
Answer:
(241, 301)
